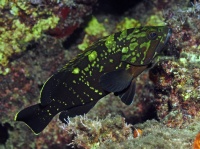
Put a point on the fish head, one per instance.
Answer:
(158, 35)
(145, 43)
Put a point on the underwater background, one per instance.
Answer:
(38, 37)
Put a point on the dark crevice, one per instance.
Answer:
(115, 7)
(4, 132)
(72, 39)
(148, 115)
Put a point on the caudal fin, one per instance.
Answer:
(36, 117)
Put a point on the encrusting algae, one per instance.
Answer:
(14, 21)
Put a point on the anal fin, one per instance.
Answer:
(80, 110)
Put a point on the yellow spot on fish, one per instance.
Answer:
(111, 60)
(133, 45)
(124, 49)
(110, 42)
(87, 83)
(76, 70)
(86, 69)
(133, 59)
(145, 44)
(94, 63)
(92, 56)
(122, 35)
(101, 69)
(90, 72)
(133, 39)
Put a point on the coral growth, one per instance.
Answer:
(157, 135)
(112, 132)
(177, 82)
(86, 133)
(92, 33)
(31, 20)
(25, 24)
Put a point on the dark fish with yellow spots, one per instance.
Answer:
(109, 65)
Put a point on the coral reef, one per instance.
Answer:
(177, 81)
(156, 135)
(113, 132)
(86, 133)
(169, 92)
(28, 21)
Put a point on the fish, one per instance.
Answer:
(111, 64)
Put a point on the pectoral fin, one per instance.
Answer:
(116, 81)
(127, 95)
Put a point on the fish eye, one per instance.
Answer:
(152, 35)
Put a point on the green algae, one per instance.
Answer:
(95, 28)
(15, 36)
(155, 20)
(127, 23)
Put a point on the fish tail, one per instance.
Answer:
(35, 117)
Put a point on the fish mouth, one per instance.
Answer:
(160, 46)
(168, 35)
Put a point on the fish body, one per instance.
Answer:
(109, 65)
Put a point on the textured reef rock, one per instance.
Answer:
(23, 22)
(86, 133)
(157, 135)
(177, 82)
(113, 132)
(33, 47)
